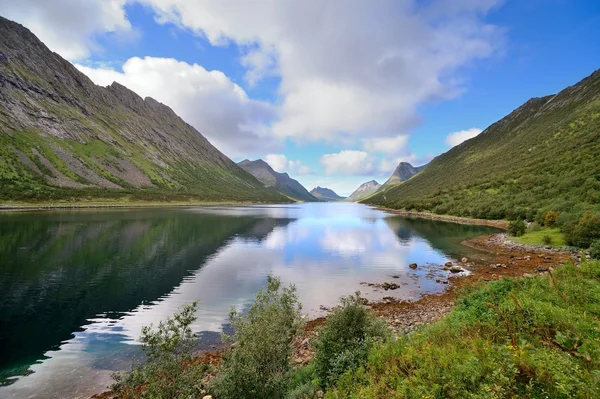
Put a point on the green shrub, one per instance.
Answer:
(535, 226)
(547, 240)
(516, 228)
(595, 249)
(583, 231)
(168, 371)
(550, 218)
(344, 342)
(258, 365)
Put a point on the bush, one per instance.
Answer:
(535, 226)
(168, 371)
(550, 218)
(516, 228)
(595, 249)
(344, 342)
(547, 240)
(258, 366)
(583, 231)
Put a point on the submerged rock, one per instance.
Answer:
(413, 266)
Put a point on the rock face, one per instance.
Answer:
(325, 194)
(364, 190)
(282, 182)
(60, 135)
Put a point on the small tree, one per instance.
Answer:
(258, 365)
(169, 370)
(550, 218)
(584, 231)
(516, 228)
(344, 342)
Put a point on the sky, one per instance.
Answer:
(337, 92)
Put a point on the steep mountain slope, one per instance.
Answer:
(62, 136)
(544, 155)
(403, 172)
(364, 190)
(325, 194)
(282, 182)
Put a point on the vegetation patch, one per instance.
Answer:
(537, 337)
(542, 237)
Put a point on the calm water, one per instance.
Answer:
(76, 287)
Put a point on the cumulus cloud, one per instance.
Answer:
(388, 145)
(455, 138)
(349, 69)
(348, 162)
(280, 163)
(69, 26)
(208, 100)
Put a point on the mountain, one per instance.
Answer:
(403, 172)
(545, 155)
(282, 182)
(63, 137)
(364, 190)
(325, 194)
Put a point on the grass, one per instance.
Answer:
(536, 237)
(535, 338)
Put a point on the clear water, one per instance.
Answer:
(76, 287)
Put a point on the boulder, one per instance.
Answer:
(413, 266)
(456, 269)
(464, 260)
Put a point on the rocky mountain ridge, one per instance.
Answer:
(282, 182)
(325, 194)
(364, 190)
(62, 136)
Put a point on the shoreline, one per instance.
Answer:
(500, 224)
(119, 205)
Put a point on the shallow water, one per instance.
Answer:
(76, 287)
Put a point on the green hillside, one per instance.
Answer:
(64, 138)
(543, 156)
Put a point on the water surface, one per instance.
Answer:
(76, 287)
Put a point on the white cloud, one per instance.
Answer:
(280, 163)
(69, 26)
(348, 162)
(455, 138)
(387, 145)
(349, 69)
(208, 100)
(304, 170)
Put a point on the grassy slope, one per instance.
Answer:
(536, 237)
(522, 337)
(544, 155)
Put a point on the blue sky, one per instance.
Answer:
(334, 93)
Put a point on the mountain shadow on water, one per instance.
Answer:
(58, 270)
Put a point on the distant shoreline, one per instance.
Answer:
(116, 205)
(500, 224)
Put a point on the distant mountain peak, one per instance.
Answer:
(325, 194)
(364, 190)
(282, 182)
